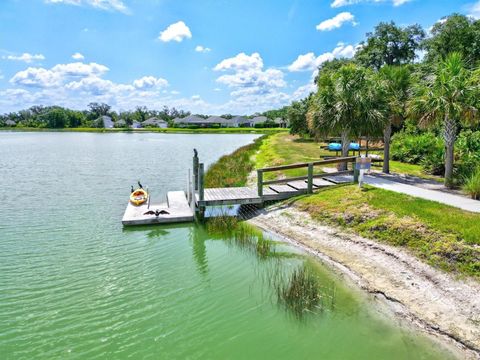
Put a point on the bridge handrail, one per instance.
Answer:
(309, 177)
(314, 163)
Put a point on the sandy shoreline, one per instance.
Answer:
(433, 301)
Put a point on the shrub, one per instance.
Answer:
(411, 148)
(472, 184)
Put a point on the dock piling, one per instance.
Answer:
(310, 179)
(260, 183)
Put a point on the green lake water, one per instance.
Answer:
(75, 284)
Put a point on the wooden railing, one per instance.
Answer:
(310, 172)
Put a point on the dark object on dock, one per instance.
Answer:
(157, 212)
(131, 190)
(139, 185)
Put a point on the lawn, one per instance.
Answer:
(446, 237)
(283, 148)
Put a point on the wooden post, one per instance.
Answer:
(310, 179)
(356, 173)
(201, 190)
(195, 169)
(260, 182)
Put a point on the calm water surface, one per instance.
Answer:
(75, 284)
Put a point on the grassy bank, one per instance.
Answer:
(283, 148)
(445, 237)
(233, 169)
(159, 130)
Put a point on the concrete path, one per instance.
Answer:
(457, 201)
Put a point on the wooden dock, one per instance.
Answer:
(182, 207)
(175, 210)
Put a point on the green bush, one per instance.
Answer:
(472, 184)
(413, 149)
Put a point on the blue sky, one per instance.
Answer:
(206, 56)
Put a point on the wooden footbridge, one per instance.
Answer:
(184, 206)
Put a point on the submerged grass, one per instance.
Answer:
(233, 169)
(241, 234)
(445, 237)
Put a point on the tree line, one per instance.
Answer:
(399, 76)
(57, 117)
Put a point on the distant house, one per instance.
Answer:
(10, 123)
(136, 125)
(257, 120)
(240, 121)
(191, 120)
(281, 122)
(120, 123)
(155, 122)
(105, 121)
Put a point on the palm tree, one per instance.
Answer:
(396, 82)
(346, 103)
(448, 98)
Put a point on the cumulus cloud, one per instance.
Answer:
(309, 61)
(251, 85)
(202, 49)
(336, 22)
(175, 32)
(25, 57)
(241, 62)
(340, 3)
(150, 82)
(111, 5)
(57, 75)
(78, 56)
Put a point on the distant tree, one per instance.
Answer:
(278, 113)
(455, 33)
(297, 117)
(55, 118)
(449, 97)
(227, 116)
(141, 113)
(96, 110)
(390, 44)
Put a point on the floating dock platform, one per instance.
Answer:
(175, 210)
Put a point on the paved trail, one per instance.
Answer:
(457, 201)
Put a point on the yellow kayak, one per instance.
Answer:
(138, 197)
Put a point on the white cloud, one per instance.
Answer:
(25, 57)
(241, 62)
(474, 10)
(78, 56)
(200, 48)
(340, 3)
(336, 22)
(309, 61)
(111, 5)
(175, 32)
(46, 78)
(150, 82)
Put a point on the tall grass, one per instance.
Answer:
(232, 170)
(302, 292)
(472, 185)
(241, 234)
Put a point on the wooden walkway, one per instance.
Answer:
(182, 207)
(248, 195)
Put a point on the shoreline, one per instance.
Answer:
(260, 131)
(415, 294)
